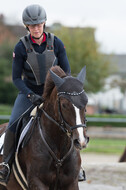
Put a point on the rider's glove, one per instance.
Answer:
(35, 99)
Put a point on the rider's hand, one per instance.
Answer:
(35, 99)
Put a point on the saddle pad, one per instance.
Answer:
(20, 139)
(23, 133)
(1, 143)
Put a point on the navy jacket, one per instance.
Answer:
(20, 56)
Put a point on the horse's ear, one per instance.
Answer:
(56, 79)
(82, 75)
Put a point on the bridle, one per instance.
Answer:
(68, 129)
(64, 126)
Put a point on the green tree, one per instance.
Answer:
(7, 89)
(82, 49)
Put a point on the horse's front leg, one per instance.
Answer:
(35, 184)
(72, 186)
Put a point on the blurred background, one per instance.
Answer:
(94, 34)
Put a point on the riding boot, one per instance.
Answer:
(8, 156)
(81, 176)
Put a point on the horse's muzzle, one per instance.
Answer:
(80, 145)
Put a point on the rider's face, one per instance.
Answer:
(36, 30)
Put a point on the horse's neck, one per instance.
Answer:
(49, 126)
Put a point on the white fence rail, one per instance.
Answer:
(2, 117)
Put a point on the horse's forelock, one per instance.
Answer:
(49, 84)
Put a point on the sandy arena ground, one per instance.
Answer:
(103, 172)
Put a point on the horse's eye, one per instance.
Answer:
(64, 106)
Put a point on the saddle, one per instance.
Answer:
(23, 124)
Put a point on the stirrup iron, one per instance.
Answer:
(4, 164)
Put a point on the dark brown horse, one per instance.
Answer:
(51, 158)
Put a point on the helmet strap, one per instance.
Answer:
(37, 38)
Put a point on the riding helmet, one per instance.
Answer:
(34, 14)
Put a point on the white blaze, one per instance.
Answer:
(80, 129)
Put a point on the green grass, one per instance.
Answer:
(104, 124)
(5, 109)
(109, 146)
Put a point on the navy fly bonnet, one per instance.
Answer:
(71, 88)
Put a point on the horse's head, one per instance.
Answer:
(72, 101)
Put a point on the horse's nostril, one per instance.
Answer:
(81, 145)
(77, 144)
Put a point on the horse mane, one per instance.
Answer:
(49, 84)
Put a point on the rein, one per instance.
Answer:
(58, 162)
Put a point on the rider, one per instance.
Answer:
(33, 55)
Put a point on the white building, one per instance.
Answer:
(111, 98)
